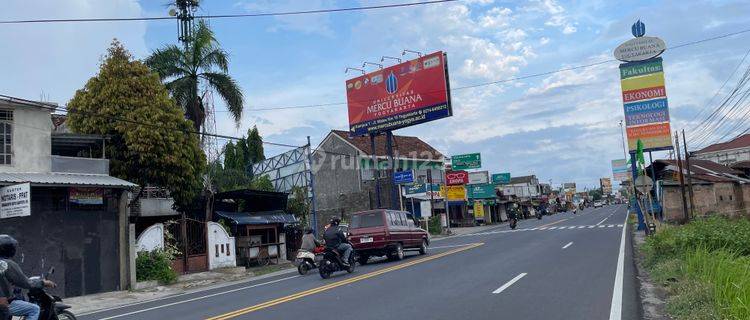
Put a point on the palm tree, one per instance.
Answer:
(202, 61)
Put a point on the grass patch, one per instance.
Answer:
(705, 266)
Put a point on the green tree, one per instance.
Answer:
(149, 143)
(262, 183)
(183, 70)
(595, 194)
(298, 205)
(254, 147)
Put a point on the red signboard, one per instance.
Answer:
(453, 178)
(406, 94)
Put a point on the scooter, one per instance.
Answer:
(51, 306)
(307, 260)
(512, 223)
(333, 261)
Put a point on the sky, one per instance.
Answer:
(562, 127)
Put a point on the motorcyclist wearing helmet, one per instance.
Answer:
(11, 275)
(336, 239)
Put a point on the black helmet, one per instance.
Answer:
(335, 221)
(8, 246)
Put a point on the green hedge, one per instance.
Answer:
(155, 265)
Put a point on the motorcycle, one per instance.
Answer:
(332, 262)
(307, 260)
(50, 306)
(512, 223)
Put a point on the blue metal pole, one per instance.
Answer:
(637, 206)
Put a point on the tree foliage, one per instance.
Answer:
(183, 70)
(298, 205)
(235, 172)
(149, 142)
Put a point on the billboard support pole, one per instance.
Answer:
(653, 176)
(638, 211)
(391, 170)
(375, 170)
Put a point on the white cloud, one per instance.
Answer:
(543, 40)
(556, 13)
(309, 23)
(496, 18)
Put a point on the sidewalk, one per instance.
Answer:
(188, 283)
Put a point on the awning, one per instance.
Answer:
(64, 179)
(260, 218)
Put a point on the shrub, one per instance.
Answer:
(155, 265)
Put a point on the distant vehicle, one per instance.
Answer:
(386, 233)
(598, 204)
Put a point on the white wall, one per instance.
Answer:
(32, 145)
(221, 247)
(151, 239)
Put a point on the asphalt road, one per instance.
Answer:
(564, 266)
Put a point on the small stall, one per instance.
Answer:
(257, 220)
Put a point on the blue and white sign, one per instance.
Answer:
(403, 177)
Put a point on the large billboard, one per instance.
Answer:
(644, 93)
(409, 93)
(606, 185)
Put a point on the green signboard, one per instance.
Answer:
(466, 161)
(638, 69)
(501, 178)
(480, 191)
(415, 188)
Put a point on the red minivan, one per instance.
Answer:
(386, 233)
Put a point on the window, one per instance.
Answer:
(6, 136)
(721, 198)
(730, 198)
(366, 220)
(402, 218)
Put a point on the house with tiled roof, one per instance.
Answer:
(346, 169)
(717, 189)
(727, 153)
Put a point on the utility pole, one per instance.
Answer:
(376, 172)
(689, 174)
(681, 177)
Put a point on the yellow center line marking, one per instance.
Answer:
(549, 224)
(302, 294)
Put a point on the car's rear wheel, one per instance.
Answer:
(397, 253)
(423, 248)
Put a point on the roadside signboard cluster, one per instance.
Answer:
(620, 170)
(406, 94)
(644, 94)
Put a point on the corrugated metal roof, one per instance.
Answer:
(64, 179)
(268, 217)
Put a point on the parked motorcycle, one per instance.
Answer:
(50, 306)
(333, 261)
(307, 260)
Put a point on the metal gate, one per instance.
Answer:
(190, 239)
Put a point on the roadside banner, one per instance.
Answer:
(15, 201)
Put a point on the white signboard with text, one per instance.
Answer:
(479, 177)
(15, 201)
